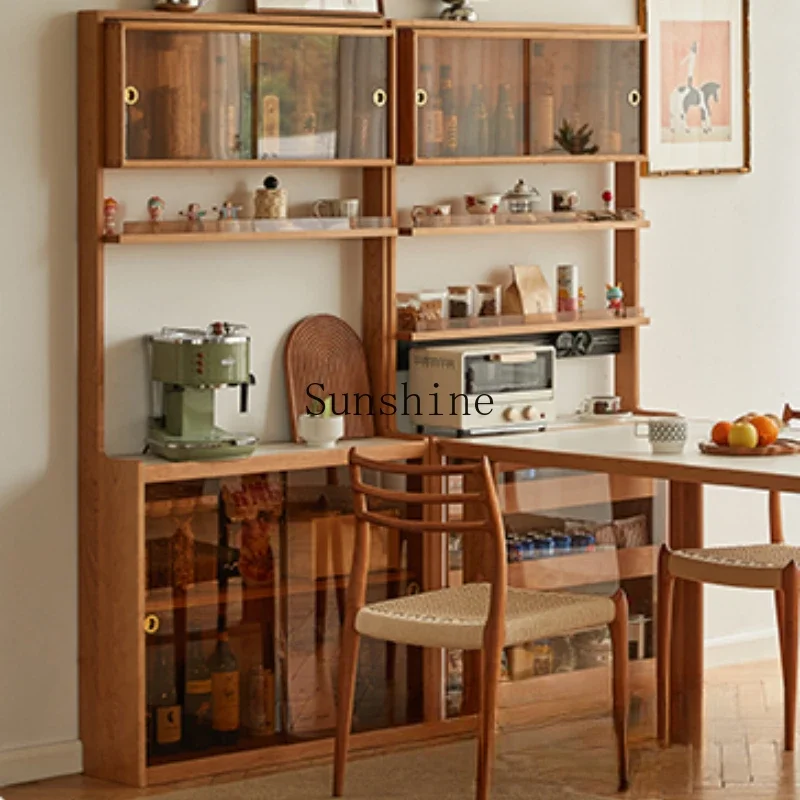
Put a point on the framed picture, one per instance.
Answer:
(364, 8)
(698, 76)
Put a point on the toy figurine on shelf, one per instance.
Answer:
(110, 207)
(615, 298)
(194, 214)
(581, 299)
(155, 209)
(227, 210)
(607, 214)
(608, 199)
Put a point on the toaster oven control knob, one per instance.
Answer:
(530, 413)
(510, 414)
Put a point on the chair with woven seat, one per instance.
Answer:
(771, 566)
(476, 616)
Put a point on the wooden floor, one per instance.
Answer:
(742, 758)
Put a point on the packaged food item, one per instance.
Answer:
(490, 299)
(416, 307)
(460, 302)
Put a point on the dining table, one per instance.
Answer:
(614, 449)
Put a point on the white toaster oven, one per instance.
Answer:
(483, 388)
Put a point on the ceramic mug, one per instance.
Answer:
(337, 207)
(431, 215)
(665, 434)
(601, 404)
(565, 199)
(482, 203)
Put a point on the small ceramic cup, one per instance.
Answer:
(601, 404)
(482, 203)
(665, 434)
(431, 215)
(565, 200)
(337, 207)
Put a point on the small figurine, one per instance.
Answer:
(194, 214)
(155, 209)
(615, 297)
(581, 299)
(110, 206)
(227, 210)
(608, 199)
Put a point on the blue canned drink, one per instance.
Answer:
(514, 551)
(562, 542)
(583, 541)
(528, 548)
(544, 545)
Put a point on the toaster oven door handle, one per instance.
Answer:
(514, 358)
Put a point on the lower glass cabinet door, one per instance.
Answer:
(246, 581)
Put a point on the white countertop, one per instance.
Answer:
(614, 449)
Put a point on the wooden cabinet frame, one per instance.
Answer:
(111, 490)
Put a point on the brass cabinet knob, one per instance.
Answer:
(380, 98)
(422, 98)
(151, 624)
(635, 98)
(131, 95)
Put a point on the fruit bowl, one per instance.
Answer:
(780, 447)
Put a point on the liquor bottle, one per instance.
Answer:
(505, 143)
(475, 139)
(197, 699)
(431, 118)
(449, 111)
(165, 711)
(225, 712)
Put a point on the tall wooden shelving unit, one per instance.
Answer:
(112, 490)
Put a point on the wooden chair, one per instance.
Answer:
(771, 566)
(476, 616)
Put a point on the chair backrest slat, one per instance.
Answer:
(391, 496)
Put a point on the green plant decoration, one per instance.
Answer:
(320, 409)
(577, 143)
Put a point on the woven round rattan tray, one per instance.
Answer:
(782, 447)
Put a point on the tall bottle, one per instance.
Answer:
(225, 690)
(475, 139)
(165, 712)
(449, 112)
(431, 118)
(505, 142)
(197, 698)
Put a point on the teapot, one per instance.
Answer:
(522, 198)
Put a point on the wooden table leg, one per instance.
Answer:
(686, 685)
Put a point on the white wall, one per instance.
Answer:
(718, 280)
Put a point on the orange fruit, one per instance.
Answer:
(719, 433)
(767, 430)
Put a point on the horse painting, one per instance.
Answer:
(685, 98)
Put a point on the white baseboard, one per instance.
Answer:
(741, 648)
(28, 764)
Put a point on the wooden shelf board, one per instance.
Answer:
(489, 332)
(606, 565)
(249, 236)
(566, 158)
(208, 593)
(246, 19)
(529, 29)
(283, 457)
(551, 227)
(263, 164)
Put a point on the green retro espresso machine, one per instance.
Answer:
(187, 366)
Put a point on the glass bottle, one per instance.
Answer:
(476, 138)
(165, 711)
(431, 118)
(451, 140)
(197, 698)
(506, 123)
(225, 692)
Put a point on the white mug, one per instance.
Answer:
(665, 434)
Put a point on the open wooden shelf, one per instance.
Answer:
(605, 565)
(551, 158)
(208, 593)
(575, 323)
(272, 163)
(198, 237)
(536, 227)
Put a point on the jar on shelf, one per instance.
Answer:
(415, 307)
(490, 299)
(460, 302)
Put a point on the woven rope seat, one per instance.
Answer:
(750, 566)
(455, 618)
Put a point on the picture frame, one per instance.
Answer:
(697, 79)
(328, 8)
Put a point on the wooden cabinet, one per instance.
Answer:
(491, 95)
(193, 93)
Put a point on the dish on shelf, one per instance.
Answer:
(617, 416)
